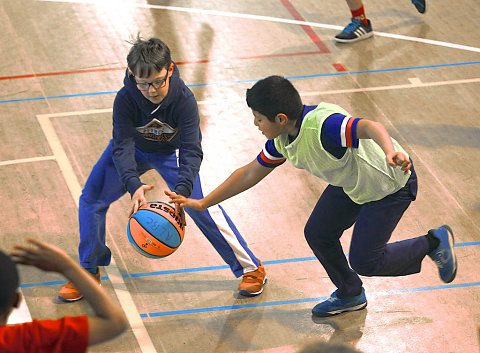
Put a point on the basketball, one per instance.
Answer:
(155, 230)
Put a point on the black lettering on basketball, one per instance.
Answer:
(168, 209)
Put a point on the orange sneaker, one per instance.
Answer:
(253, 282)
(69, 293)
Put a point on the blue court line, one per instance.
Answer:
(255, 80)
(201, 269)
(56, 97)
(271, 262)
(299, 301)
(52, 283)
(467, 244)
(211, 268)
(230, 307)
(347, 73)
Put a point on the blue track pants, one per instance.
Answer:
(103, 187)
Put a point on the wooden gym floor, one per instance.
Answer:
(63, 61)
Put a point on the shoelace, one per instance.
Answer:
(253, 275)
(352, 26)
(332, 299)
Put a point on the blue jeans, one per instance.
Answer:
(369, 254)
(103, 187)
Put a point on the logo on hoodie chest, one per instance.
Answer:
(155, 130)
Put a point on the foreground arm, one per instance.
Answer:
(367, 129)
(109, 320)
(240, 180)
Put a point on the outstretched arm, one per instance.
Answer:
(368, 129)
(109, 320)
(240, 180)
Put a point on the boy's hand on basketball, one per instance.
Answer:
(138, 197)
(42, 255)
(399, 159)
(183, 201)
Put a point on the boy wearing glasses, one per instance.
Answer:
(155, 115)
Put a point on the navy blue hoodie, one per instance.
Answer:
(173, 125)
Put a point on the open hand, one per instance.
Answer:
(138, 197)
(42, 255)
(183, 201)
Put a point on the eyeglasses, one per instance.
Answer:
(157, 84)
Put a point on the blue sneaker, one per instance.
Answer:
(444, 255)
(334, 305)
(420, 5)
(355, 31)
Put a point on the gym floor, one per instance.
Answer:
(63, 62)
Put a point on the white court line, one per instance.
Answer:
(124, 296)
(55, 115)
(266, 18)
(71, 179)
(74, 186)
(60, 156)
(113, 272)
(20, 314)
(27, 160)
(415, 81)
(416, 84)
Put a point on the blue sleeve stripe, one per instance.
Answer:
(331, 129)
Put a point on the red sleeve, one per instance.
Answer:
(68, 334)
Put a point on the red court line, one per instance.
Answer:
(310, 32)
(177, 62)
(339, 67)
(61, 73)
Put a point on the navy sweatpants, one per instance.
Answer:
(103, 187)
(370, 253)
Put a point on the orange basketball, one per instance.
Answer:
(155, 230)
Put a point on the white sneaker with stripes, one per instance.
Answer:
(355, 31)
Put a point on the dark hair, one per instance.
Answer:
(8, 281)
(147, 56)
(274, 95)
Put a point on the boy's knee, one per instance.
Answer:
(87, 198)
(364, 267)
(308, 235)
(314, 234)
(318, 241)
(313, 238)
